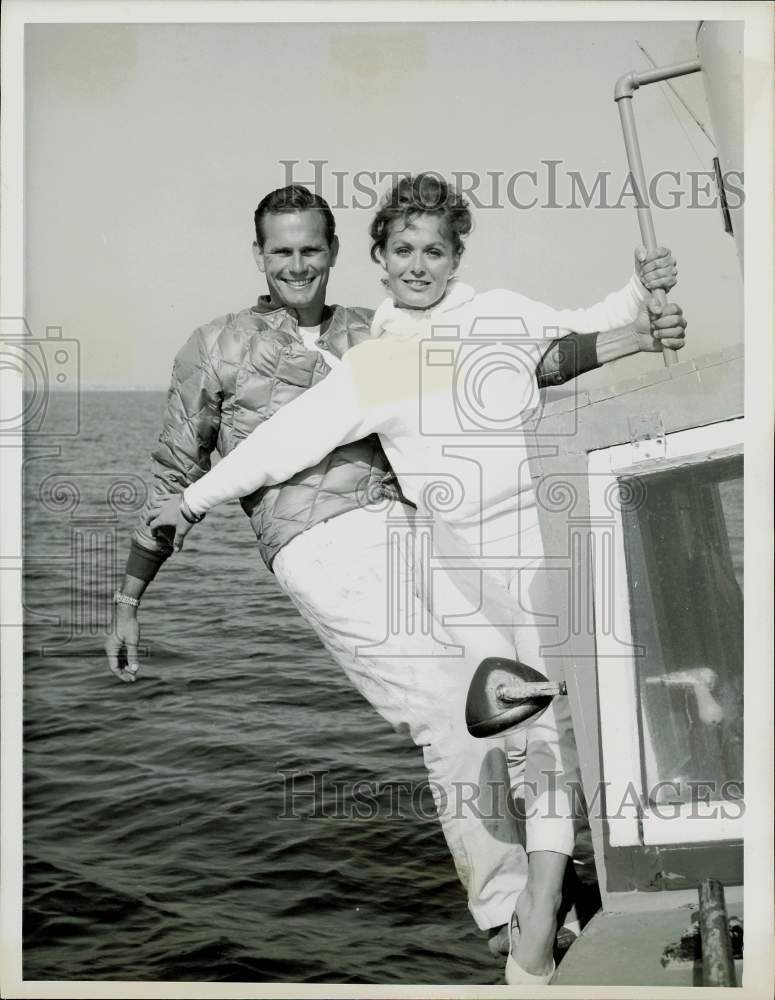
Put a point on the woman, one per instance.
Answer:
(457, 410)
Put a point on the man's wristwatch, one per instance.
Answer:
(119, 598)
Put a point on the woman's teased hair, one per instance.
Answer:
(424, 194)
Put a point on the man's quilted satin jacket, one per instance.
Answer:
(231, 375)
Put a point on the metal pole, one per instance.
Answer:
(641, 78)
(625, 87)
(718, 966)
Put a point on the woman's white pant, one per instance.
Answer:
(355, 580)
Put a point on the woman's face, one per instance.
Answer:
(419, 260)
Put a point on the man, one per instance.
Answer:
(234, 373)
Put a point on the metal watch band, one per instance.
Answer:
(119, 598)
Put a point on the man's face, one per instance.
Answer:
(296, 259)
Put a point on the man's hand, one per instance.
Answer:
(121, 645)
(656, 268)
(659, 326)
(169, 516)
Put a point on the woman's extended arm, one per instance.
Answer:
(655, 328)
(295, 438)
(655, 269)
(614, 311)
(355, 400)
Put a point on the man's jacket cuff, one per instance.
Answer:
(578, 354)
(143, 563)
(567, 358)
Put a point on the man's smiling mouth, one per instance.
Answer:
(298, 284)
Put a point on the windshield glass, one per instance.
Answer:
(684, 549)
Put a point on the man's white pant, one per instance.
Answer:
(361, 594)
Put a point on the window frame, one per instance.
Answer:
(630, 821)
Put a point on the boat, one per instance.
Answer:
(640, 495)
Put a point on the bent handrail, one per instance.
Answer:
(625, 87)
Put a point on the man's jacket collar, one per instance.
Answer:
(340, 327)
(276, 314)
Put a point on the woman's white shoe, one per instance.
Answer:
(515, 974)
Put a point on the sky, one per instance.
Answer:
(148, 147)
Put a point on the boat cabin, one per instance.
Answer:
(640, 493)
(640, 498)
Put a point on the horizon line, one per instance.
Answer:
(104, 388)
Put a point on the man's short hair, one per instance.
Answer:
(293, 198)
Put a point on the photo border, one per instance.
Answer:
(758, 485)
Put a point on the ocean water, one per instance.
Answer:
(162, 839)
(204, 823)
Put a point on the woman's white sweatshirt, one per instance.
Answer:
(452, 393)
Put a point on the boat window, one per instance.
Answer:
(684, 551)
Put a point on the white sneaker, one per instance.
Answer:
(515, 974)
